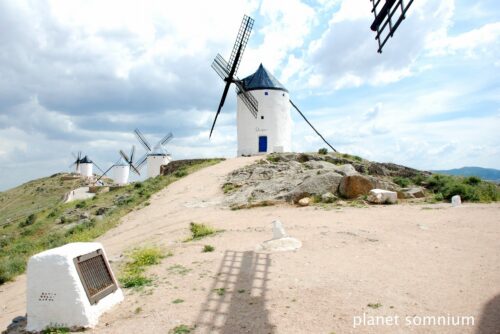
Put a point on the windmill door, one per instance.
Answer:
(263, 144)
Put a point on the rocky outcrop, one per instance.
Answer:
(290, 177)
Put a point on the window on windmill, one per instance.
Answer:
(261, 117)
(266, 93)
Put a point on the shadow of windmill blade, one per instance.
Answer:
(237, 299)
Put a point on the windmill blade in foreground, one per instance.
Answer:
(227, 70)
(317, 132)
(142, 140)
(388, 17)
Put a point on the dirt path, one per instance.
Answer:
(405, 261)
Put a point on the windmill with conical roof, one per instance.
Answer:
(264, 123)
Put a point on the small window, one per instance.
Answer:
(266, 93)
(261, 117)
(283, 94)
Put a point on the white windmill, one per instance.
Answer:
(155, 157)
(84, 166)
(264, 123)
(121, 168)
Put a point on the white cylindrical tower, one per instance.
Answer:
(156, 159)
(271, 131)
(86, 167)
(121, 172)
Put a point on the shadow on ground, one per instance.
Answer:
(489, 323)
(236, 302)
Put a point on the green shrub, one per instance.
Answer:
(181, 329)
(180, 173)
(28, 221)
(11, 267)
(56, 330)
(470, 188)
(472, 180)
(132, 275)
(199, 231)
(208, 248)
(323, 151)
(420, 179)
(81, 204)
(403, 182)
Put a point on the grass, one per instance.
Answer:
(181, 329)
(199, 231)
(50, 228)
(220, 291)
(352, 157)
(178, 269)
(132, 274)
(56, 330)
(403, 182)
(229, 187)
(208, 249)
(177, 301)
(374, 305)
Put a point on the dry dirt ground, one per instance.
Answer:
(413, 262)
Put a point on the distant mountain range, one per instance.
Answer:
(484, 173)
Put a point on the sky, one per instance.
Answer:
(80, 75)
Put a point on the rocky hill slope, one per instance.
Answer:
(290, 177)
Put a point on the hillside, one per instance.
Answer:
(490, 174)
(31, 197)
(34, 218)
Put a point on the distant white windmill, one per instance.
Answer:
(121, 168)
(84, 166)
(156, 156)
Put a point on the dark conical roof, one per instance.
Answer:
(262, 79)
(85, 160)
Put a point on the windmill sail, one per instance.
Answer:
(227, 70)
(387, 16)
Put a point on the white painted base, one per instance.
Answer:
(55, 294)
(280, 242)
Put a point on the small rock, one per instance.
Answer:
(456, 200)
(84, 215)
(328, 197)
(304, 201)
(415, 192)
(380, 196)
(99, 217)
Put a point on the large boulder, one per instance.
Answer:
(316, 184)
(381, 196)
(352, 186)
